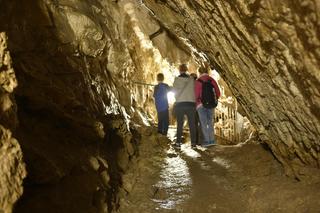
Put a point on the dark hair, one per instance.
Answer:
(194, 75)
(202, 70)
(183, 68)
(160, 77)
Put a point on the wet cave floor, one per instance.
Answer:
(241, 178)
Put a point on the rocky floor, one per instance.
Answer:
(242, 178)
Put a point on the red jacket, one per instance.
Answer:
(198, 87)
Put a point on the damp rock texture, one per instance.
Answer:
(139, 178)
(12, 167)
(268, 53)
(77, 63)
(82, 68)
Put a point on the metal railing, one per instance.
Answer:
(225, 126)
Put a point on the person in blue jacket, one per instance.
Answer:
(161, 100)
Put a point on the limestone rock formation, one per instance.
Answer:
(82, 68)
(76, 63)
(268, 52)
(12, 167)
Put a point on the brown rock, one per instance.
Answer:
(268, 64)
(12, 167)
(105, 178)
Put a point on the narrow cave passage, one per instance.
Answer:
(231, 126)
(78, 121)
(223, 178)
(233, 176)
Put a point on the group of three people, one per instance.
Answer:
(188, 92)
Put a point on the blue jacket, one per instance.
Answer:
(160, 95)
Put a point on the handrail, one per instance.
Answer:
(142, 83)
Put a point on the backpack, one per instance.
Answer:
(208, 96)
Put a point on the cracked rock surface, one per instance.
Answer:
(82, 106)
(268, 53)
(12, 166)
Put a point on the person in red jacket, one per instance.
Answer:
(205, 115)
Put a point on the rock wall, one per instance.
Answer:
(12, 167)
(80, 65)
(268, 53)
(76, 63)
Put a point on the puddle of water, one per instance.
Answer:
(222, 162)
(204, 166)
(186, 147)
(175, 180)
(175, 176)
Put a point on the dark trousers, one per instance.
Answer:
(189, 111)
(163, 122)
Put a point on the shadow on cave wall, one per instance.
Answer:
(58, 112)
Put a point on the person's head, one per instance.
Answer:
(206, 65)
(160, 77)
(183, 68)
(202, 70)
(194, 76)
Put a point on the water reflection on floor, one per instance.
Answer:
(175, 180)
(222, 162)
(175, 176)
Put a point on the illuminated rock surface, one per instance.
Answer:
(12, 167)
(82, 111)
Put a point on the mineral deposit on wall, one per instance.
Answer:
(78, 63)
(268, 52)
(12, 168)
